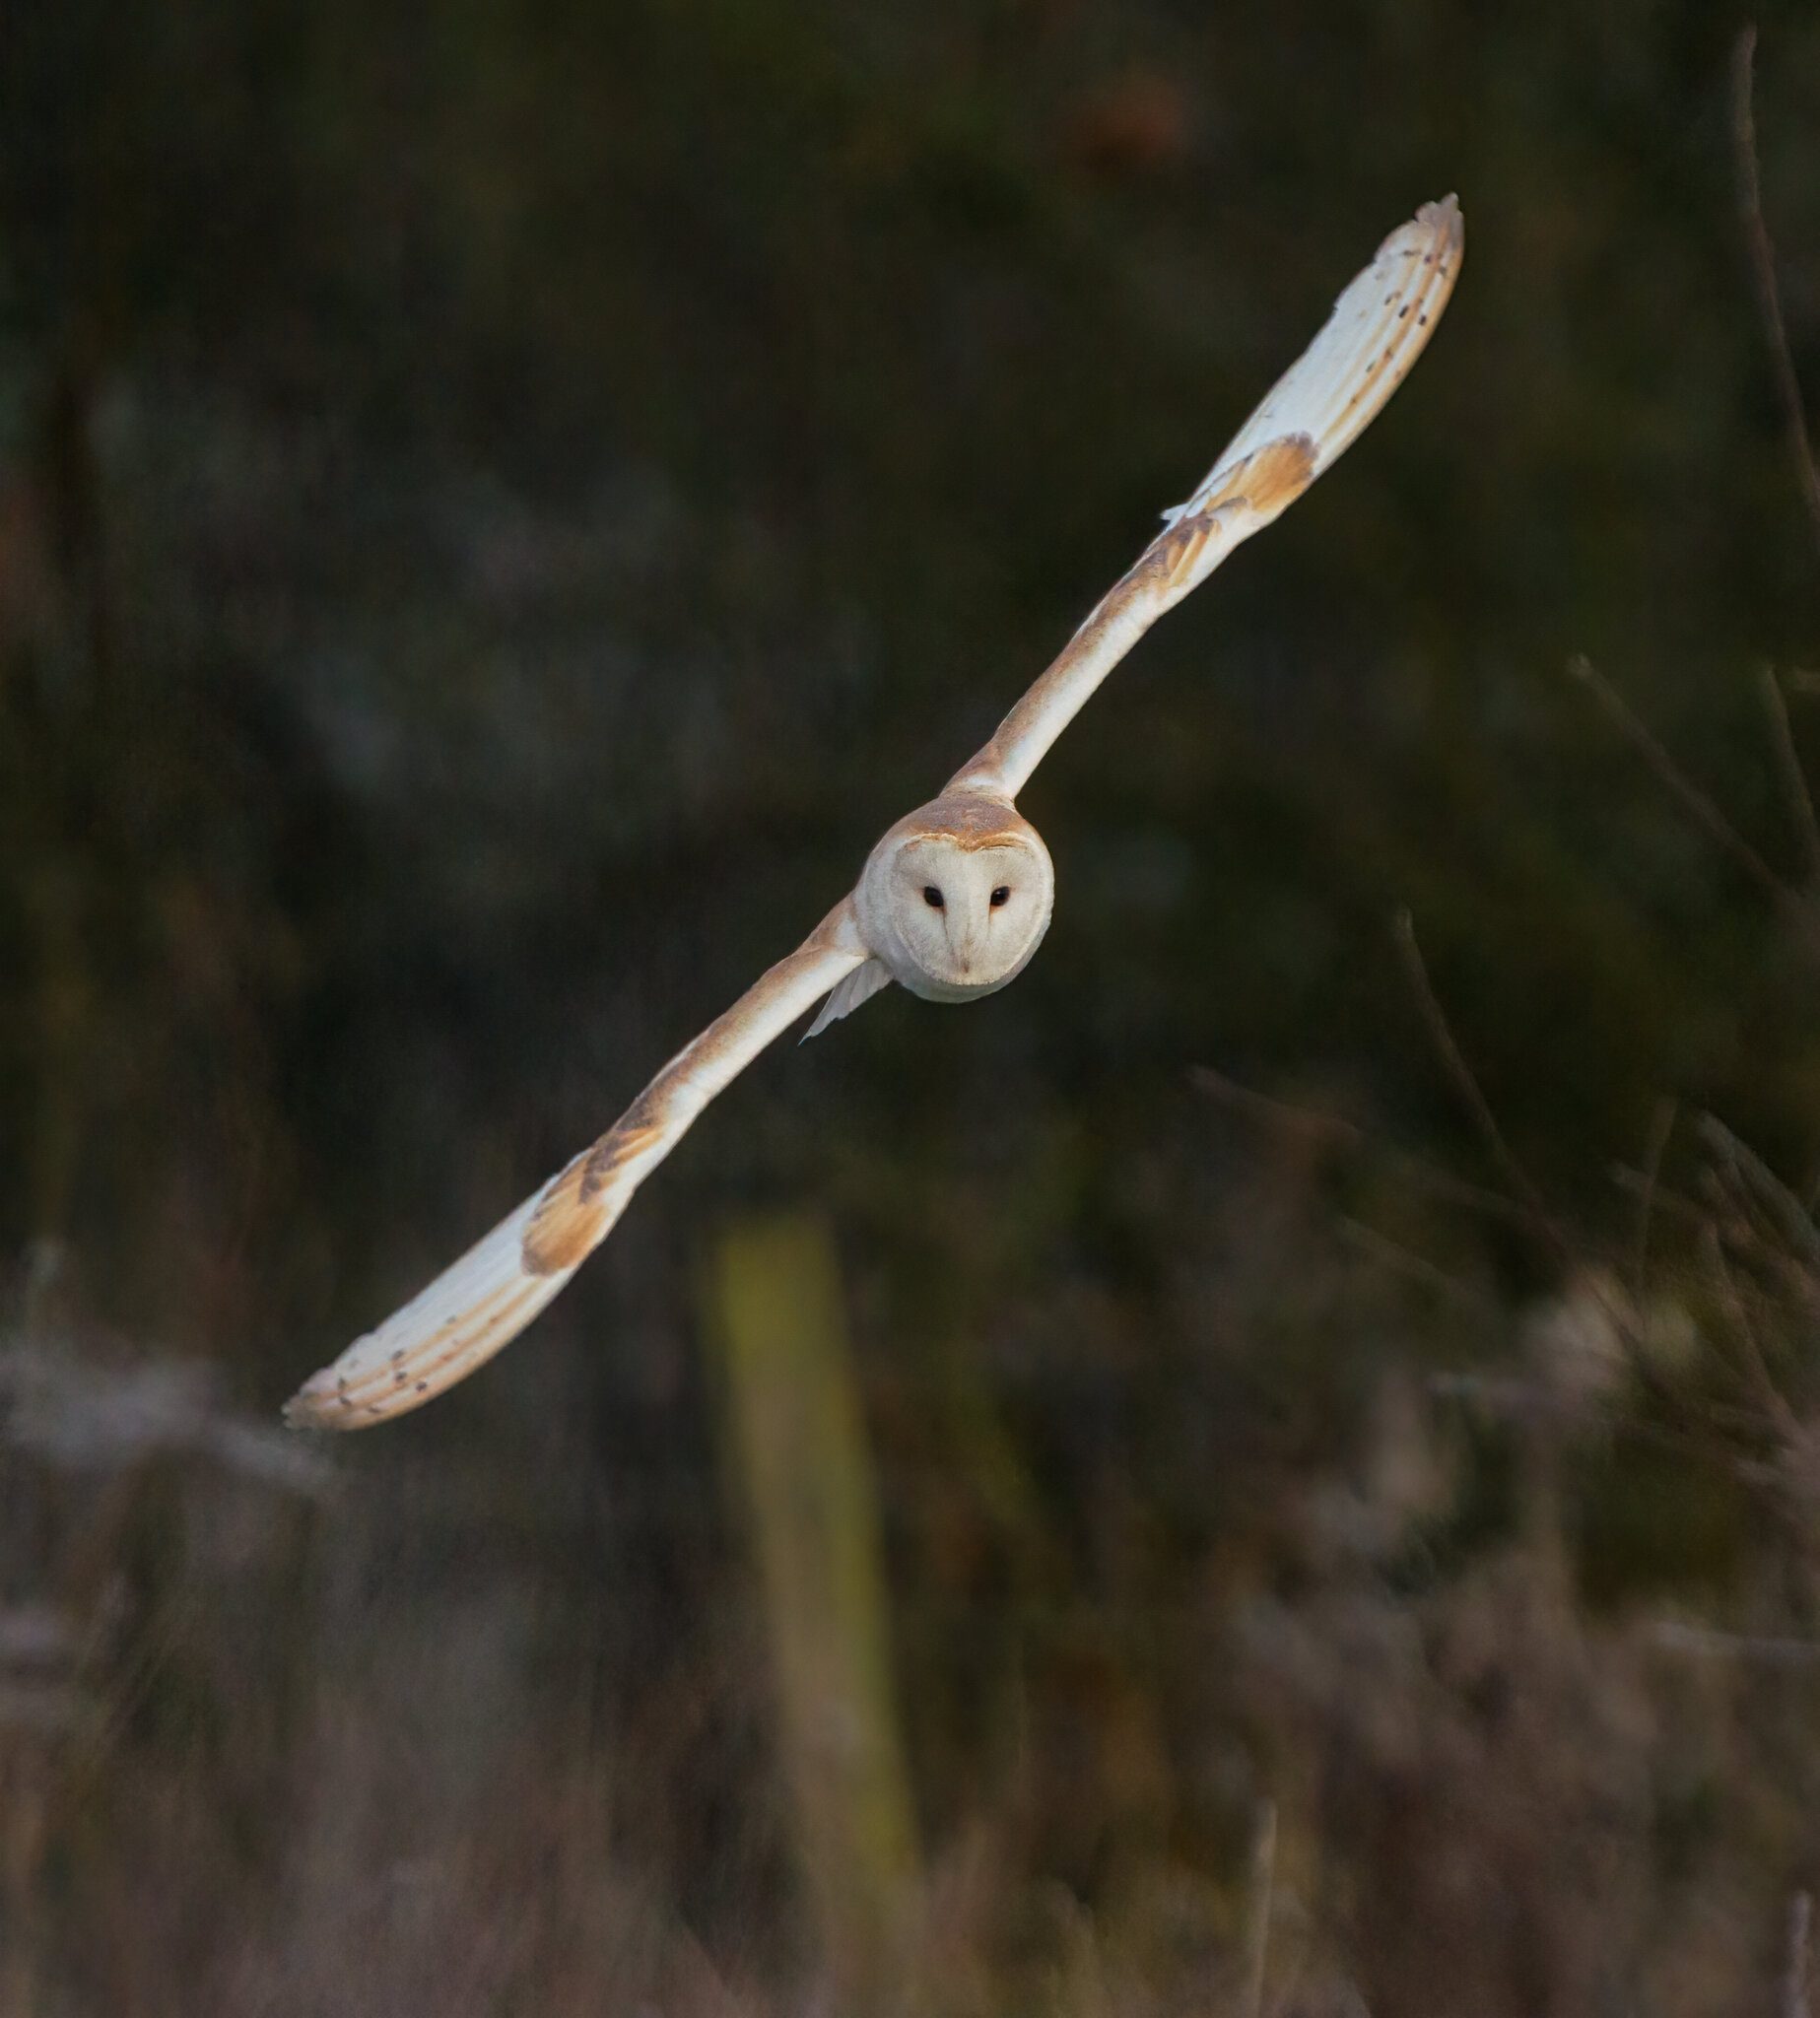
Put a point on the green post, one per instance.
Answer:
(807, 1482)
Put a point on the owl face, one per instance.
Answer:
(955, 903)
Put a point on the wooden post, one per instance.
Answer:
(807, 1483)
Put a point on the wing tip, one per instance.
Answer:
(331, 1400)
(1441, 220)
(319, 1405)
(1446, 217)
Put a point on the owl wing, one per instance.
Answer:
(487, 1298)
(1378, 329)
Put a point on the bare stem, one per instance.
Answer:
(1698, 803)
(1413, 1267)
(1757, 1369)
(1763, 271)
(1467, 1084)
(1794, 777)
(1794, 1977)
(1316, 1125)
(1662, 1127)
(1263, 1884)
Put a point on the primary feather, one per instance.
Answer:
(438, 1337)
(1377, 330)
(859, 986)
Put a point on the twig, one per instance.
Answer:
(1763, 269)
(1748, 1227)
(1746, 1224)
(1768, 1393)
(1675, 1204)
(1788, 1215)
(1662, 1127)
(1263, 1882)
(1795, 1978)
(1518, 1400)
(1320, 1127)
(1680, 1637)
(1467, 1086)
(1798, 904)
(1720, 1208)
(1401, 1261)
(1705, 812)
(1700, 1215)
(1794, 777)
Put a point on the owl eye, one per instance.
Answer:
(1002, 894)
(933, 896)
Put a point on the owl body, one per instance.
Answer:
(956, 897)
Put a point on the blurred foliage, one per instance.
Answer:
(499, 506)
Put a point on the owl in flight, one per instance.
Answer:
(956, 897)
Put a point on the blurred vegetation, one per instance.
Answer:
(499, 506)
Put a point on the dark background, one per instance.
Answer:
(500, 505)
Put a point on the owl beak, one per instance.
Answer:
(967, 949)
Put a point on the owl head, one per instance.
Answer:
(957, 897)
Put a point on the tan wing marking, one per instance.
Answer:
(571, 1218)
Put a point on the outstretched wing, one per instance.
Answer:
(1322, 403)
(487, 1298)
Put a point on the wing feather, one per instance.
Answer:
(1379, 327)
(481, 1303)
(859, 986)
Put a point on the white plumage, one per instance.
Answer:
(471, 1310)
(1366, 345)
(957, 896)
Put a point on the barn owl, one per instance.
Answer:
(956, 897)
